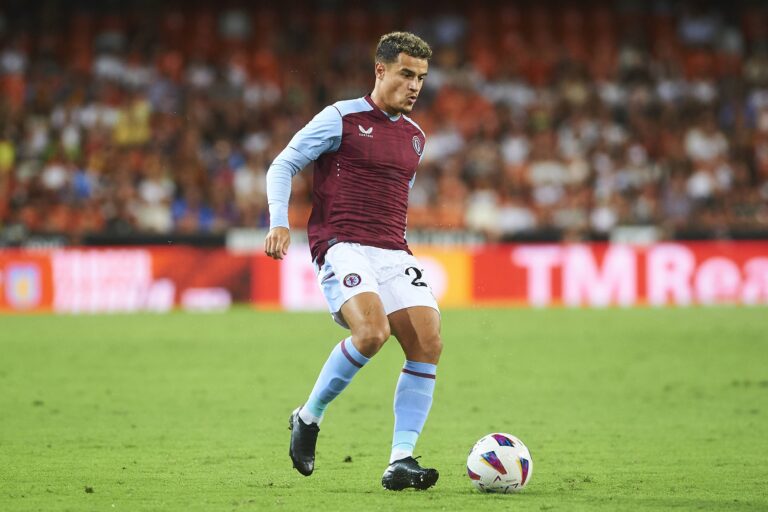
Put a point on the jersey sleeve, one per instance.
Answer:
(321, 135)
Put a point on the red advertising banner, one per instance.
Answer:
(575, 275)
(123, 280)
(204, 277)
(624, 275)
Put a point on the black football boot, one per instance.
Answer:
(406, 473)
(303, 441)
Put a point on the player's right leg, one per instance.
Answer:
(352, 295)
(365, 316)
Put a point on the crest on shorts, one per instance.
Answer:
(416, 145)
(351, 280)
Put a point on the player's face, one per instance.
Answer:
(400, 82)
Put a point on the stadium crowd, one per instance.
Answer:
(564, 118)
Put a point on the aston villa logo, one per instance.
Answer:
(23, 285)
(351, 280)
(416, 145)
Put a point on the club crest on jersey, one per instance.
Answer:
(416, 145)
(351, 280)
(365, 132)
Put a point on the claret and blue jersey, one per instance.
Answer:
(365, 163)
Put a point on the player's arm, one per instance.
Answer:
(319, 136)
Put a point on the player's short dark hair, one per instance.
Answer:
(393, 44)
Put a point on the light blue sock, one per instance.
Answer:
(343, 363)
(413, 398)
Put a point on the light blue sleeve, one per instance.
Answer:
(321, 135)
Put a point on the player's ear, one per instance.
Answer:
(379, 70)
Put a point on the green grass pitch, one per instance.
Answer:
(642, 409)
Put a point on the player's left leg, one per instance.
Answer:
(418, 331)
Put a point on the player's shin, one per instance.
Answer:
(413, 399)
(342, 365)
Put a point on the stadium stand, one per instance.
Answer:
(558, 120)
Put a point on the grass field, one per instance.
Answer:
(640, 409)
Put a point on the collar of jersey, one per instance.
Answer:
(394, 118)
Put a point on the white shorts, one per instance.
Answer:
(395, 276)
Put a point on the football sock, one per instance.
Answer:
(343, 363)
(413, 398)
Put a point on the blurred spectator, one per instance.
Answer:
(155, 195)
(514, 216)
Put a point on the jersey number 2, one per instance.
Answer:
(413, 271)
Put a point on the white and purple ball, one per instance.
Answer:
(500, 463)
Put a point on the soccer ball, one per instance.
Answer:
(499, 463)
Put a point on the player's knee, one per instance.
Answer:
(433, 347)
(370, 338)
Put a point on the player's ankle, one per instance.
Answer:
(399, 455)
(309, 418)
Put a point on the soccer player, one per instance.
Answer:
(366, 151)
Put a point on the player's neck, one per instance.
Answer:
(376, 98)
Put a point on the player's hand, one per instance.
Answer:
(276, 243)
